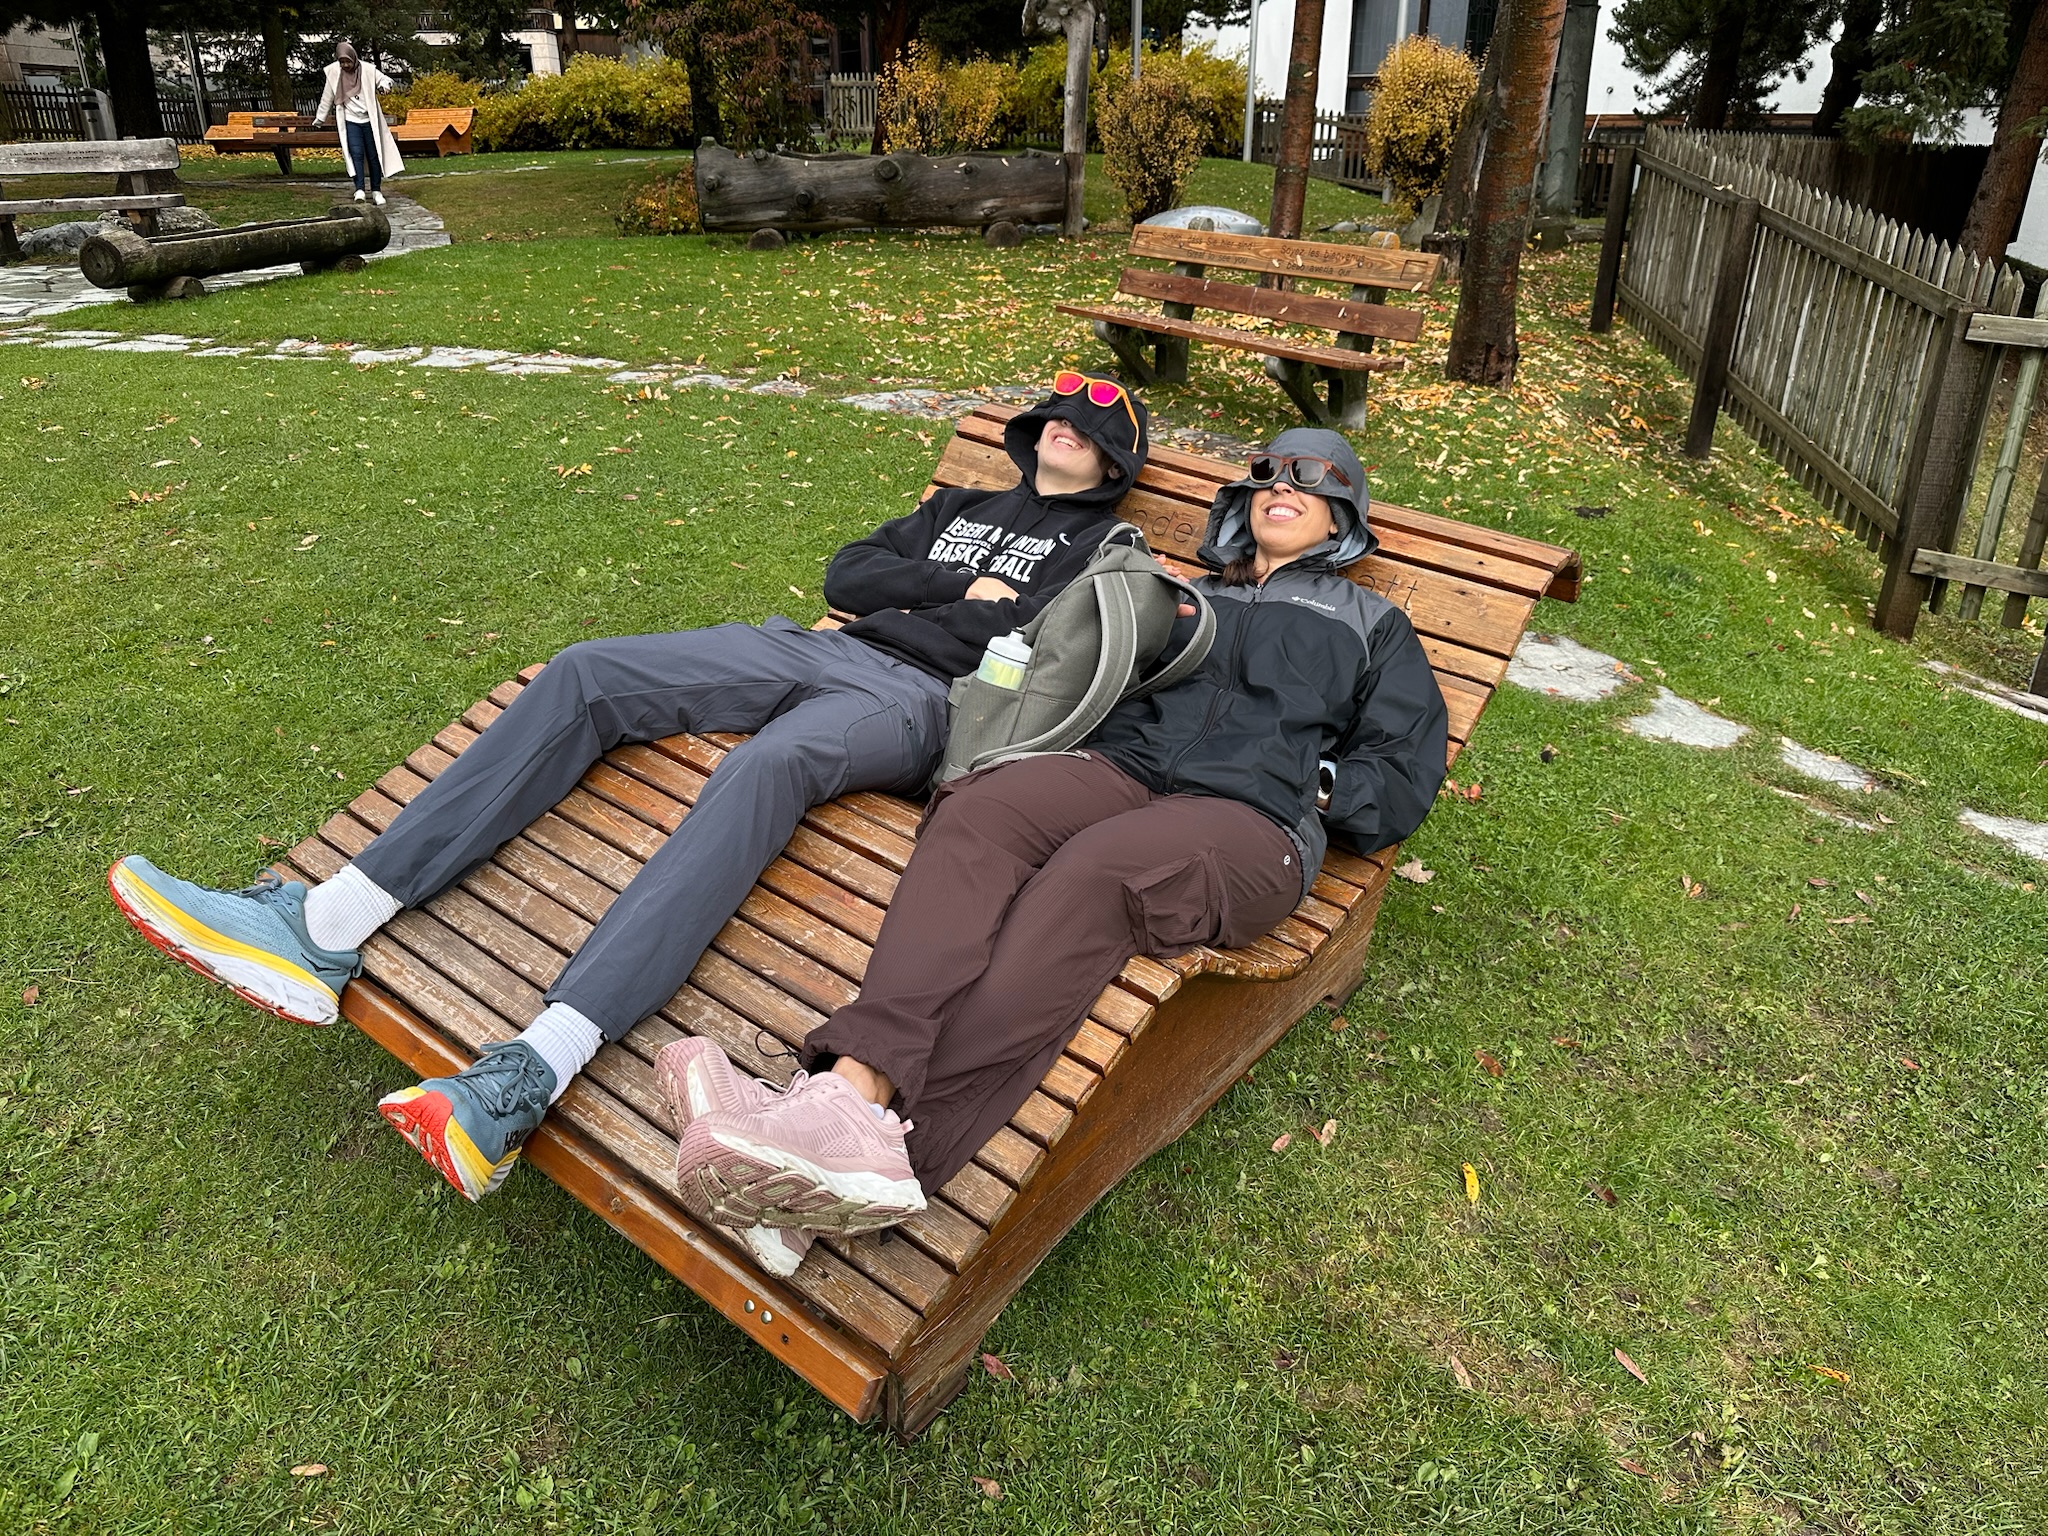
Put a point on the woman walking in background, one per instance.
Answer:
(368, 152)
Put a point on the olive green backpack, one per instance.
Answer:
(1096, 644)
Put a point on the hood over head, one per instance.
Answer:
(345, 54)
(1229, 535)
(1108, 427)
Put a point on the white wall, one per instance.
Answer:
(1276, 40)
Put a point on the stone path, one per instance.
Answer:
(38, 292)
(1561, 667)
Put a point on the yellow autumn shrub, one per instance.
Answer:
(1423, 92)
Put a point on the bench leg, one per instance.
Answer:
(10, 248)
(1347, 398)
(284, 160)
(1171, 359)
(1129, 347)
(908, 1409)
(1300, 380)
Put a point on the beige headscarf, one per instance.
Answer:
(351, 75)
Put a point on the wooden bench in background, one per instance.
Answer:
(435, 131)
(887, 1323)
(145, 173)
(275, 133)
(1298, 366)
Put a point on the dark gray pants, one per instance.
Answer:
(830, 715)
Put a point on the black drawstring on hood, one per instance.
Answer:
(1108, 427)
(1229, 534)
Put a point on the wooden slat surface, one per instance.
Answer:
(1367, 265)
(1284, 304)
(1322, 354)
(472, 965)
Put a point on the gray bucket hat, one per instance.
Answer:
(1229, 536)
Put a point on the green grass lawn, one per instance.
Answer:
(237, 591)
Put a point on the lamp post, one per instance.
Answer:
(1137, 35)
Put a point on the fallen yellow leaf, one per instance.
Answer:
(1471, 1184)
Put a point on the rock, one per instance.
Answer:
(1003, 235)
(1674, 719)
(169, 221)
(766, 240)
(1424, 222)
(1343, 227)
(1228, 220)
(57, 240)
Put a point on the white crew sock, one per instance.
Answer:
(347, 910)
(565, 1040)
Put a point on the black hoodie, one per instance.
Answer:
(1310, 666)
(909, 578)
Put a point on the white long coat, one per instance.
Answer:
(373, 81)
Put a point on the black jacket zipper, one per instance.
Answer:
(1216, 694)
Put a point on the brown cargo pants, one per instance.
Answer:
(1032, 884)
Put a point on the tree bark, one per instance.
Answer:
(277, 58)
(131, 78)
(1297, 122)
(892, 42)
(1723, 67)
(737, 193)
(1468, 150)
(704, 119)
(1850, 57)
(1074, 127)
(2001, 194)
(120, 258)
(1483, 348)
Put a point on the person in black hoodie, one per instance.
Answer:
(863, 707)
(1197, 815)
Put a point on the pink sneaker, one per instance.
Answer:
(696, 1079)
(815, 1156)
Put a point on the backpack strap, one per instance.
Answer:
(1119, 654)
(1193, 654)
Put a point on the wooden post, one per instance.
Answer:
(1718, 346)
(2030, 554)
(1930, 480)
(1074, 132)
(2009, 447)
(1621, 194)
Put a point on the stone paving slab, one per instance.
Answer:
(2028, 837)
(1560, 666)
(1828, 770)
(1674, 719)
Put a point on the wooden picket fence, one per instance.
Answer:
(1825, 330)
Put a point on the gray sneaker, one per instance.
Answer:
(252, 941)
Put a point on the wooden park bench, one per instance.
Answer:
(1298, 366)
(885, 1325)
(435, 131)
(145, 173)
(275, 133)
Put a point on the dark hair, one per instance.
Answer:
(1242, 572)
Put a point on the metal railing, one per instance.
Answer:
(29, 115)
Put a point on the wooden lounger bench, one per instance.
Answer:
(886, 1324)
(278, 133)
(435, 131)
(1297, 366)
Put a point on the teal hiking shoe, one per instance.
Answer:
(472, 1125)
(252, 941)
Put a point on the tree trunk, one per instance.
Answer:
(131, 77)
(1468, 150)
(1559, 194)
(277, 58)
(120, 258)
(2008, 173)
(704, 121)
(1850, 57)
(1297, 122)
(1483, 349)
(1723, 67)
(892, 42)
(1074, 127)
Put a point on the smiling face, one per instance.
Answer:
(1287, 523)
(1067, 460)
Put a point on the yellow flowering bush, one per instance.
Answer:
(1423, 92)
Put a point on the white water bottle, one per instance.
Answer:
(1003, 663)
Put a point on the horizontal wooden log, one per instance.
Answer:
(100, 156)
(19, 205)
(1370, 265)
(739, 193)
(1981, 573)
(121, 258)
(2007, 331)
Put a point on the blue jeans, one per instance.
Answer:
(362, 151)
